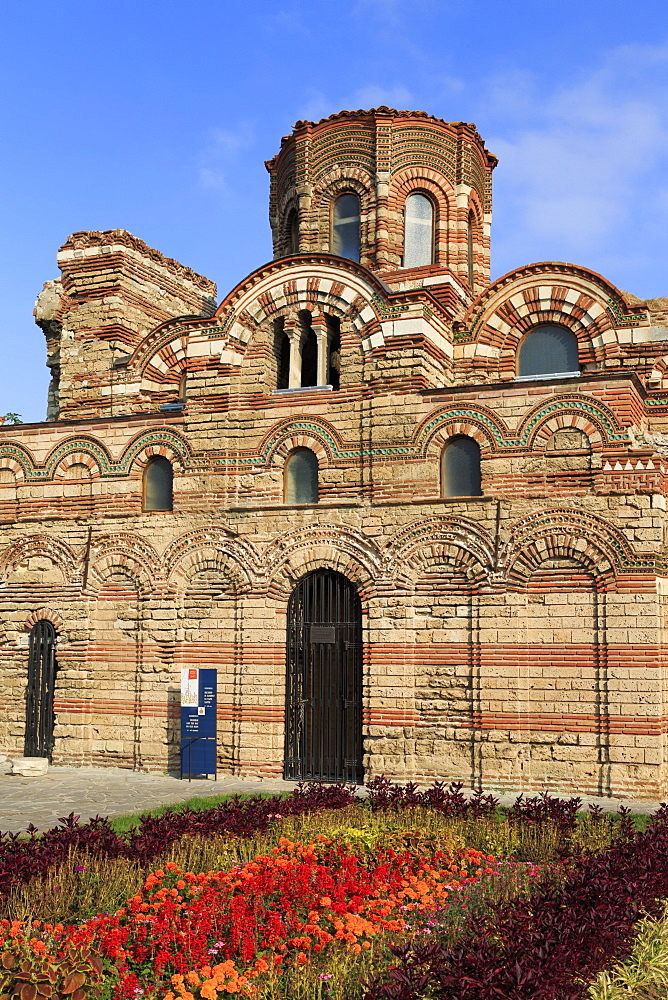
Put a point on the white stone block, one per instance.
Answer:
(30, 767)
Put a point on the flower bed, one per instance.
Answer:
(311, 914)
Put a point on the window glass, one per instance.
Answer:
(158, 479)
(548, 350)
(460, 471)
(346, 227)
(469, 247)
(301, 477)
(419, 231)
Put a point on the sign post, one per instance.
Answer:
(198, 722)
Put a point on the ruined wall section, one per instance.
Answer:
(113, 291)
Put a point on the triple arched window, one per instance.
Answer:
(345, 240)
(158, 485)
(548, 350)
(301, 477)
(460, 468)
(418, 231)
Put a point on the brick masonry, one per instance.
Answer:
(514, 640)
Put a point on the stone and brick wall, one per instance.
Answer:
(514, 640)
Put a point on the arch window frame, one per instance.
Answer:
(556, 372)
(148, 507)
(420, 193)
(474, 472)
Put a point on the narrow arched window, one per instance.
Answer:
(333, 351)
(282, 354)
(418, 231)
(183, 387)
(309, 351)
(548, 350)
(346, 227)
(469, 249)
(460, 468)
(158, 485)
(301, 477)
(293, 231)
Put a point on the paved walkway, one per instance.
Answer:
(110, 791)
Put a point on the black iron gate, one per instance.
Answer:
(41, 681)
(323, 725)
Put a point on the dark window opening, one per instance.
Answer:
(301, 477)
(293, 231)
(309, 351)
(158, 485)
(346, 227)
(460, 468)
(282, 354)
(334, 352)
(548, 350)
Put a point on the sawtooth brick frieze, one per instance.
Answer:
(512, 635)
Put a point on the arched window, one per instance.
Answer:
(418, 231)
(309, 351)
(346, 227)
(548, 350)
(460, 468)
(158, 479)
(333, 351)
(469, 248)
(301, 477)
(282, 354)
(293, 231)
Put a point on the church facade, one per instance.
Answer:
(416, 520)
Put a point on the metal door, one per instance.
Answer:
(41, 681)
(323, 726)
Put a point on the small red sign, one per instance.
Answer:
(192, 675)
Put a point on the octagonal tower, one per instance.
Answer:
(396, 190)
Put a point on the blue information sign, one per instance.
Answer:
(198, 721)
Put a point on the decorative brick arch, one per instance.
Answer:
(18, 459)
(479, 423)
(547, 293)
(142, 451)
(207, 549)
(123, 552)
(443, 544)
(575, 411)
(46, 546)
(328, 187)
(317, 282)
(563, 533)
(44, 615)
(314, 433)
(166, 364)
(77, 457)
(323, 546)
(417, 180)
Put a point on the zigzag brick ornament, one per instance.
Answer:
(415, 520)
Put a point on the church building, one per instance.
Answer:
(415, 520)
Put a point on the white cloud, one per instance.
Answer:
(585, 175)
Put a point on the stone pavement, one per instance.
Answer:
(110, 791)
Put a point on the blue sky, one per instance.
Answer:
(157, 118)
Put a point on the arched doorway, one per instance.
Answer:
(41, 682)
(323, 725)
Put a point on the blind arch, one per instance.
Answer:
(301, 477)
(460, 468)
(158, 485)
